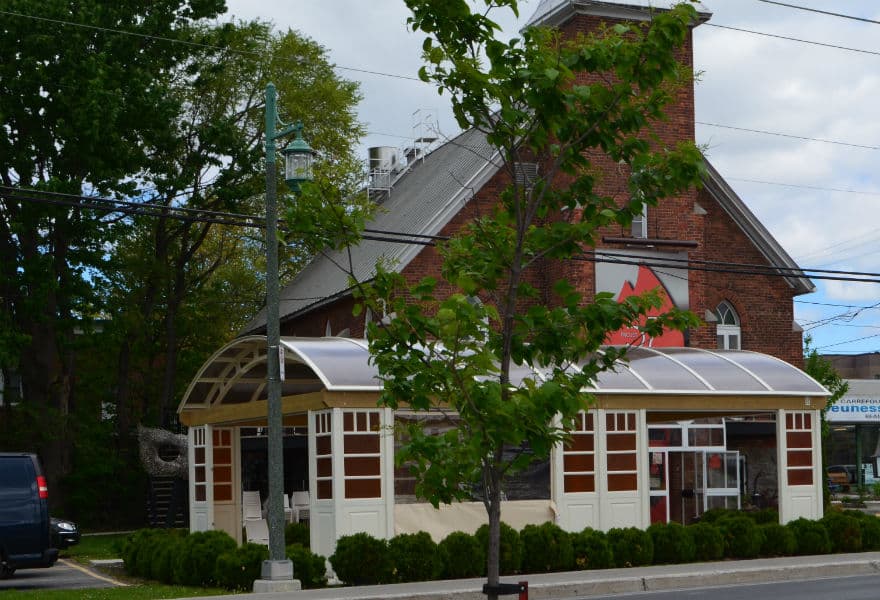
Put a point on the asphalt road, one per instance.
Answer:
(65, 574)
(863, 587)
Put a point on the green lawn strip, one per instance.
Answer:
(134, 592)
(95, 547)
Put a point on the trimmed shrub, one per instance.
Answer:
(591, 550)
(361, 559)
(462, 556)
(764, 516)
(238, 569)
(141, 550)
(778, 540)
(510, 561)
(415, 557)
(297, 533)
(811, 536)
(844, 531)
(708, 541)
(631, 547)
(308, 567)
(673, 543)
(870, 526)
(742, 537)
(197, 557)
(166, 555)
(546, 548)
(713, 515)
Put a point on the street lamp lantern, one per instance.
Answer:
(298, 157)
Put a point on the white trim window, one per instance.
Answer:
(640, 224)
(728, 332)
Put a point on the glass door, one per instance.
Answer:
(658, 475)
(721, 480)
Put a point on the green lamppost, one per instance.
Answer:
(297, 168)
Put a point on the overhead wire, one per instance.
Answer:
(823, 12)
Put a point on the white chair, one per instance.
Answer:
(288, 510)
(300, 502)
(251, 509)
(257, 531)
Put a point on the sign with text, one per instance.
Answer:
(854, 409)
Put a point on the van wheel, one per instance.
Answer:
(5, 572)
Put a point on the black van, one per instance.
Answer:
(24, 515)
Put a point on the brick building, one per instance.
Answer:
(654, 448)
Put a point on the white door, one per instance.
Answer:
(201, 484)
(721, 478)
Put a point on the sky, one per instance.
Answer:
(816, 187)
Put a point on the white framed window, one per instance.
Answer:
(640, 223)
(728, 331)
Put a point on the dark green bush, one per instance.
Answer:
(462, 556)
(361, 559)
(546, 548)
(708, 541)
(197, 557)
(870, 526)
(510, 561)
(308, 567)
(166, 555)
(844, 531)
(673, 543)
(764, 516)
(237, 570)
(591, 550)
(297, 533)
(778, 540)
(716, 514)
(631, 547)
(139, 551)
(742, 537)
(811, 536)
(415, 557)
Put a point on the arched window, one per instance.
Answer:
(728, 331)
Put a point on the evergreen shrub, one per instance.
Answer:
(764, 516)
(546, 548)
(778, 540)
(844, 531)
(870, 526)
(742, 537)
(673, 543)
(414, 557)
(308, 567)
(361, 559)
(631, 547)
(510, 561)
(591, 550)
(708, 541)
(297, 533)
(166, 554)
(237, 570)
(197, 557)
(462, 556)
(811, 536)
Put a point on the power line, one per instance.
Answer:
(803, 187)
(793, 39)
(788, 135)
(823, 12)
(867, 337)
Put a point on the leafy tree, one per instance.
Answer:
(456, 344)
(81, 105)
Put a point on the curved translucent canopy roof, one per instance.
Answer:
(237, 373)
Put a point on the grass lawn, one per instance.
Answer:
(134, 592)
(92, 547)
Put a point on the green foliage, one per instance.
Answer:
(764, 516)
(198, 554)
(708, 541)
(237, 569)
(591, 550)
(511, 555)
(361, 559)
(742, 537)
(779, 540)
(713, 515)
(152, 553)
(415, 557)
(546, 548)
(308, 567)
(297, 533)
(135, 546)
(166, 556)
(811, 536)
(870, 526)
(462, 556)
(844, 531)
(673, 543)
(631, 547)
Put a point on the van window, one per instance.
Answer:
(15, 474)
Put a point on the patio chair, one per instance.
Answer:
(288, 510)
(300, 502)
(251, 509)
(257, 531)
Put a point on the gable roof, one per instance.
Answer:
(426, 198)
(557, 12)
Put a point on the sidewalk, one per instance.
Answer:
(610, 581)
